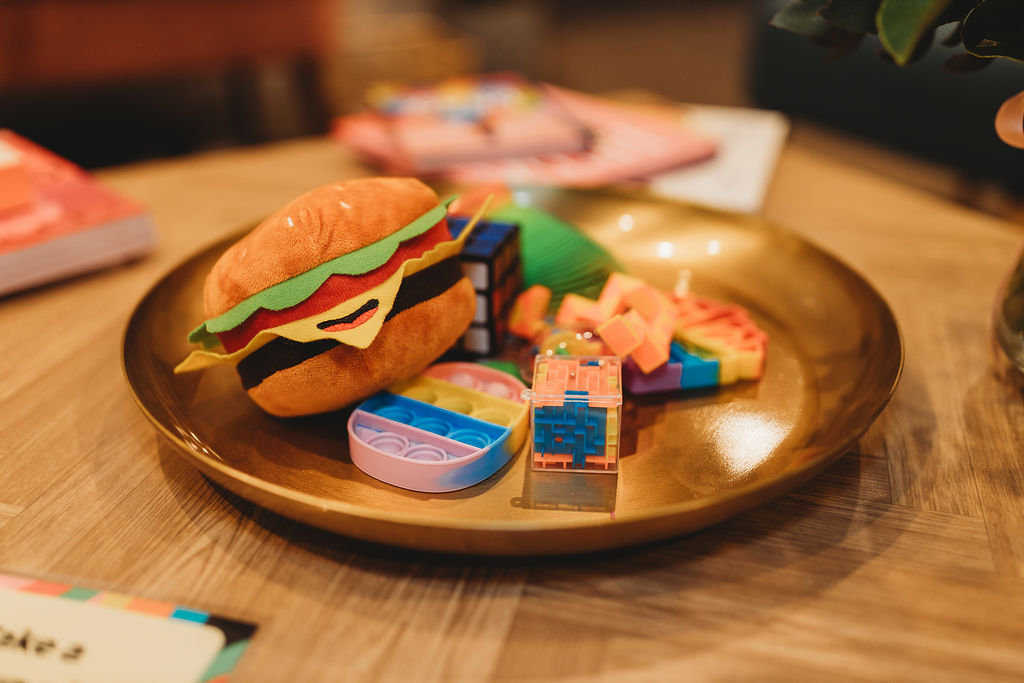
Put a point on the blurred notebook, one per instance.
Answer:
(474, 119)
(57, 221)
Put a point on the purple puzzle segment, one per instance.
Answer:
(669, 377)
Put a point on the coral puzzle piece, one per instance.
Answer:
(728, 333)
(644, 330)
(527, 317)
(620, 334)
(615, 290)
(577, 310)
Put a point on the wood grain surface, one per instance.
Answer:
(903, 561)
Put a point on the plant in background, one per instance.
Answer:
(986, 29)
(907, 28)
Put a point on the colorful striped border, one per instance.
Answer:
(237, 634)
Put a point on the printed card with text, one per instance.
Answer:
(59, 632)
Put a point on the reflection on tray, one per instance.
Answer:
(579, 491)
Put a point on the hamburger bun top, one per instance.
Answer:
(318, 226)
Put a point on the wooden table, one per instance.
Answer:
(904, 560)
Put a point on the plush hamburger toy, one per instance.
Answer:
(343, 291)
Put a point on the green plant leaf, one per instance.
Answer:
(903, 23)
(995, 28)
(803, 17)
(855, 16)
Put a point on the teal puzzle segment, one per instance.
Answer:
(698, 373)
(410, 411)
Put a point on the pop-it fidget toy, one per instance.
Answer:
(450, 427)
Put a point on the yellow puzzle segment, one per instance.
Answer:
(729, 362)
(457, 398)
(611, 450)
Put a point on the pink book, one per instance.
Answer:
(625, 144)
(56, 220)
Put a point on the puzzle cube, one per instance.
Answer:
(576, 410)
(490, 259)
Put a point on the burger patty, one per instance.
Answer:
(283, 353)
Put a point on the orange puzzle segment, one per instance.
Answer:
(650, 355)
(653, 351)
(693, 310)
(649, 301)
(616, 288)
(620, 335)
(578, 310)
(527, 317)
(564, 460)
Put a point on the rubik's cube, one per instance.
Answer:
(576, 408)
(490, 259)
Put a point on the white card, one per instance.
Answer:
(45, 638)
(737, 177)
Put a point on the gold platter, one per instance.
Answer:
(835, 356)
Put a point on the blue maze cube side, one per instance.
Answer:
(574, 428)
